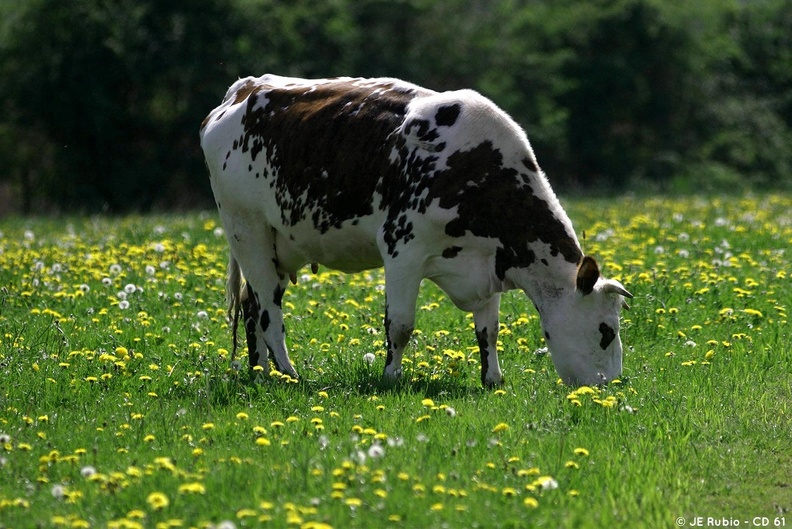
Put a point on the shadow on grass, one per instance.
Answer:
(247, 386)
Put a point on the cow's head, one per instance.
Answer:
(582, 328)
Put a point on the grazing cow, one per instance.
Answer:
(361, 173)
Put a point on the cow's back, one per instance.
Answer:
(331, 163)
(306, 150)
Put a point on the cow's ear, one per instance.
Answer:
(587, 276)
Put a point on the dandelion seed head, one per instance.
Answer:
(376, 451)
(395, 441)
(369, 358)
(58, 491)
(546, 483)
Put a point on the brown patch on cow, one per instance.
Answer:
(608, 335)
(450, 253)
(330, 143)
(447, 115)
(493, 203)
(250, 312)
(530, 164)
(245, 90)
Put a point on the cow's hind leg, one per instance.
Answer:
(401, 293)
(486, 323)
(263, 317)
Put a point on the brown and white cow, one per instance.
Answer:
(363, 173)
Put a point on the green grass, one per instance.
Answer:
(127, 413)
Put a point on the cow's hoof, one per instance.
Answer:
(493, 382)
(392, 376)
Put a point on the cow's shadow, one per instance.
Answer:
(359, 380)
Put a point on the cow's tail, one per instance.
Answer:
(234, 297)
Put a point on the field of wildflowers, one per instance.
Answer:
(120, 406)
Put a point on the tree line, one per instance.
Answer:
(102, 99)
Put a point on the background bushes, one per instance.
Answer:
(101, 99)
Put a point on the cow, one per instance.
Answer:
(357, 173)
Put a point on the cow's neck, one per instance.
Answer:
(545, 284)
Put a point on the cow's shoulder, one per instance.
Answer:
(460, 120)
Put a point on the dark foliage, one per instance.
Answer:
(101, 99)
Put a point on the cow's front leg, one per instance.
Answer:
(401, 293)
(485, 319)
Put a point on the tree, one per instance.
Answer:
(117, 88)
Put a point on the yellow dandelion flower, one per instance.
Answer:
(581, 452)
(353, 502)
(157, 500)
(500, 427)
(531, 502)
(192, 488)
(245, 513)
(263, 441)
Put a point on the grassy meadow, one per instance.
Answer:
(120, 406)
